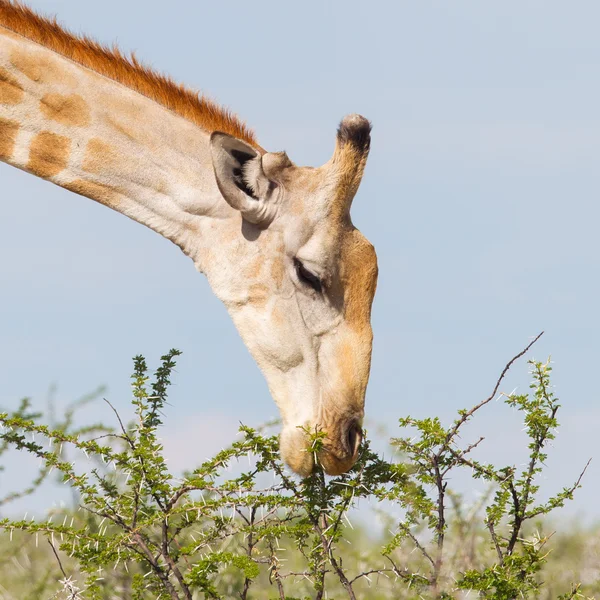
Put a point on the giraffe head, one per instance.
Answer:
(275, 240)
(298, 280)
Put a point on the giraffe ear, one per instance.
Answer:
(241, 179)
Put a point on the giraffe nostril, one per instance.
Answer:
(354, 438)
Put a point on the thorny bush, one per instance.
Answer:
(140, 532)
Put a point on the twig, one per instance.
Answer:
(406, 574)
(145, 550)
(490, 526)
(247, 580)
(274, 571)
(165, 551)
(120, 422)
(418, 545)
(460, 457)
(58, 559)
(465, 416)
(441, 522)
(372, 572)
(569, 491)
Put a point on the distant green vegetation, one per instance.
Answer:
(139, 532)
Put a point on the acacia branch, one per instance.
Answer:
(58, 559)
(518, 520)
(539, 444)
(274, 571)
(166, 554)
(250, 547)
(481, 469)
(566, 493)
(468, 414)
(416, 542)
(141, 544)
(125, 434)
(490, 526)
(441, 521)
(405, 574)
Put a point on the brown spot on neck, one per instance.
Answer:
(66, 109)
(11, 91)
(105, 194)
(258, 295)
(48, 154)
(27, 64)
(100, 157)
(8, 135)
(135, 134)
(254, 268)
(40, 68)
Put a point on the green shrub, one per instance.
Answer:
(141, 532)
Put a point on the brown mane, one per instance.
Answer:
(128, 71)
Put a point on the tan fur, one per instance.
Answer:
(350, 165)
(100, 155)
(133, 112)
(48, 154)
(346, 361)
(258, 294)
(69, 110)
(104, 194)
(103, 158)
(230, 235)
(254, 268)
(277, 316)
(113, 64)
(277, 272)
(11, 91)
(359, 274)
(138, 135)
(297, 207)
(39, 68)
(8, 136)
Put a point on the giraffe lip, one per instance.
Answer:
(334, 465)
(336, 461)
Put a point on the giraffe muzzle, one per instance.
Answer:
(339, 455)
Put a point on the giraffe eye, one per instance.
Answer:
(306, 277)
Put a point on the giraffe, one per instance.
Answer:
(275, 240)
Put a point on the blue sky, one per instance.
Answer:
(481, 197)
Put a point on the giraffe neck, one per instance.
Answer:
(96, 137)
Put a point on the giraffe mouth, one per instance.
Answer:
(340, 457)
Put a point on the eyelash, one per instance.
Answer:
(307, 277)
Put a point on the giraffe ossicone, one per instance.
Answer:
(275, 240)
